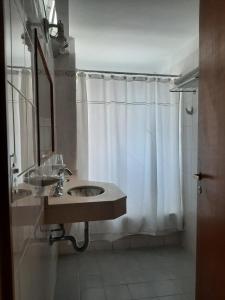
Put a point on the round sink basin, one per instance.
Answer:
(86, 191)
(20, 194)
(41, 180)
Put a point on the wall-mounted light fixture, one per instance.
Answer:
(59, 41)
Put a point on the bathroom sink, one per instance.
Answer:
(41, 180)
(20, 194)
(84, 201)
(86, 191)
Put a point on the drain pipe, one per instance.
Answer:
(70, 238)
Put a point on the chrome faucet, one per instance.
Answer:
(64, 171)
(59, 187)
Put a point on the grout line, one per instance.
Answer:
(97, 258)
(79, 284)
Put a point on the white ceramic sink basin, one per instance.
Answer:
(41, 180)
(86, 191)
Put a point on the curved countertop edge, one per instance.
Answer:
(71, 209)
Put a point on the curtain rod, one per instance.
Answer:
(128, 73)
(18, 67)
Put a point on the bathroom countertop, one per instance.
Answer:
(27, 208)
(70, 209)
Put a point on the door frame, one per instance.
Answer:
(6, 258)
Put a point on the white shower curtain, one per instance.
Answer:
(128, 133)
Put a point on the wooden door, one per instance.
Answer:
(211, 201)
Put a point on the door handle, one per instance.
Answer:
(198, 176)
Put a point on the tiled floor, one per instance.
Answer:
(156, 274)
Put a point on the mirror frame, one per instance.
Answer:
(38, 51)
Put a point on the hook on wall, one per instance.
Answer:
(190, 111)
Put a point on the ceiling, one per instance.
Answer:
(131, 35)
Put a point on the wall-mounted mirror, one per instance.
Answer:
(44, 102)
(21, 109)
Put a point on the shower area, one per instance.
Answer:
(138, 131)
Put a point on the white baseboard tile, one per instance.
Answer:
(128, 242)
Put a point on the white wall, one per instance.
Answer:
(190, 163)
(184, 61)
(65, 90)
(131, 36)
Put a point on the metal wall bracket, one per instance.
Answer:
(190, 111)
